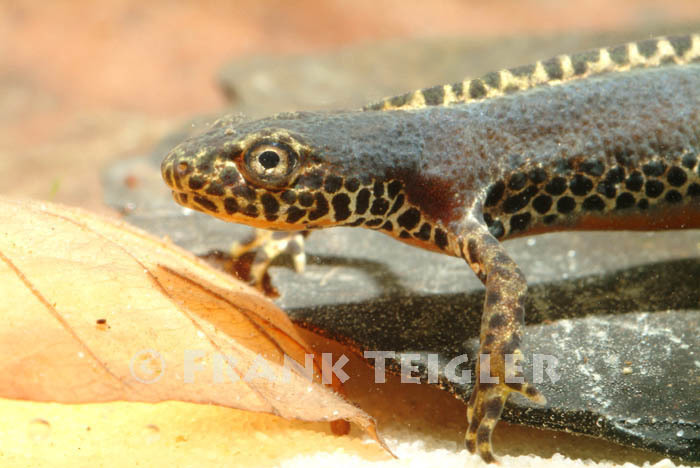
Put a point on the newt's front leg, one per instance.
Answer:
(502, 325)
(267, 246)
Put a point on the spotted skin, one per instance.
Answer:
(608, 139)
(591, 190)
(552, 72)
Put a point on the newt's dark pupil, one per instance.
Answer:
(268, 159)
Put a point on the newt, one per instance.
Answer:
(605, 139)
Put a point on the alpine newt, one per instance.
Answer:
(606, 139)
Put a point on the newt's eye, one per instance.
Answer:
(271, 164)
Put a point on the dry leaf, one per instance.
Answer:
(95, 310)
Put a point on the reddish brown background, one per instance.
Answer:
(83, 81)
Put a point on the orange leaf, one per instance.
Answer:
(96, 310)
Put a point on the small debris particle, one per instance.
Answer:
(131, 181)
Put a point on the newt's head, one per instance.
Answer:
(305, 170)
(290, 172)
(248, 173)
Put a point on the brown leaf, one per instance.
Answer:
(96, 310)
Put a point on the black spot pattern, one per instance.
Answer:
(362, 202)
(321, 208)
(378, 189)
(566, 205)
(397, 205)
(492, 79)
(615, 175)
(216, 189)
(424, 232)
(553, 69)
(624, 200)
(294, 214)
(458, 89)
(580, 61)
(689, 160)
(357, 222)
(341, 206)
(252, 211)
(196, 182)
(434, 96)
(549, 219)
(517, 202)
(313, 180)
(517, 181)
(228, 176)
(398, 101)
(393, 188)
(676, 176)
(694, 190)
(607, 189)
(653, 188)
(409, 218)
(306, 199)
(634, 182)
(647, 48)
(230, 205)
(351, 185)
(495, 193)
(440, 238)
(580, 185)
(388, 226)
(374, 222)
(673, 196)
(332, 184)
(269, 203)
(619, 55)
(593, 203)
(654, 169)
(289, 197)
(556, 186)
(243, 191)
(205, 203)
(477, 90)
(379, 206)
(542, 203)
(538, 175)
(680, 44)
(520, 222)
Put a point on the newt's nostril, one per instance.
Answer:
(182, 168)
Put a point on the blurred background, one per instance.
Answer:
(86, 83)
(83, 82)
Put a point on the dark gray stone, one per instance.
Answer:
(626, 343)
(620, 311)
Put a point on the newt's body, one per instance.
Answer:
(608, 139)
